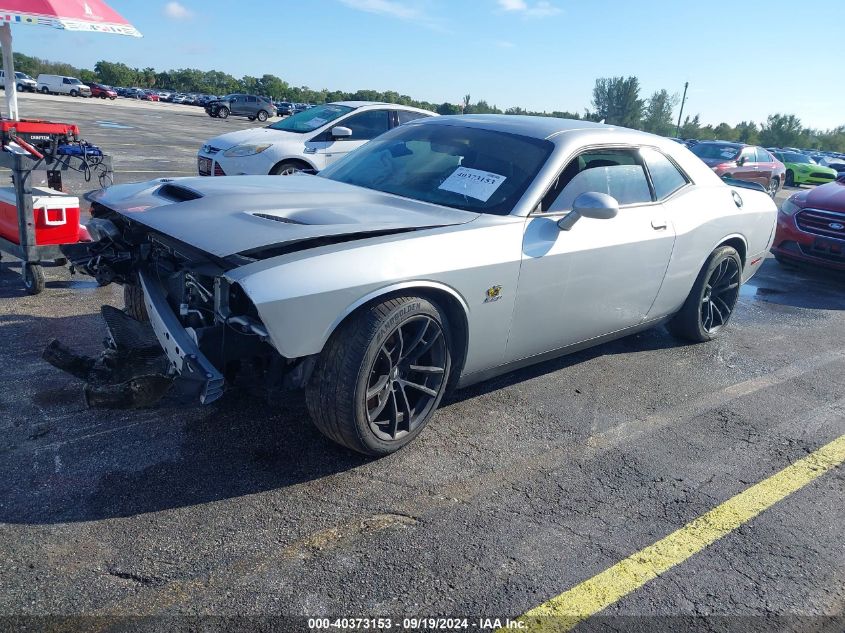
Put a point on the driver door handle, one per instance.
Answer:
(659, 225)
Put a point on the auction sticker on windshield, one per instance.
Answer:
(473, 183)
(315, 122)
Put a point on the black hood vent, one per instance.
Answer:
(178, 193)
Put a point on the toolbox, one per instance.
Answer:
(55, 214)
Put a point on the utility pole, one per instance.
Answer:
(678, 129)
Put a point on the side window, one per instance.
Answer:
(665, 176)
(405, 116)
(366, 125)
(763, 156)
(251, 100)
(749, 155)
(66, 81)
(618, 173)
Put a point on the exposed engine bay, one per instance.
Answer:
(186, 329)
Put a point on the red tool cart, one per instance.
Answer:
(35, 221)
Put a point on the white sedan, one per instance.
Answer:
(308, 140)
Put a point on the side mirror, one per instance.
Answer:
(598, 206)
(742, 160)
(341, 132)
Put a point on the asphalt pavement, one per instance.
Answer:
(241, 513)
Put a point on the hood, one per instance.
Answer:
(243, 214)
(829, 197)
(253, 135)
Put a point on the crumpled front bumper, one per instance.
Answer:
(198, 374)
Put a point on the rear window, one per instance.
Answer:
(714, 151)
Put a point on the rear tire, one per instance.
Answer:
(45, 90)
(133, 300)
(711, 301)
(381, 376)
(262, 116)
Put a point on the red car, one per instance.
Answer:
(99, 90)
(811, 226)
(743, 162)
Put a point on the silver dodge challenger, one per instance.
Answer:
(444, 252)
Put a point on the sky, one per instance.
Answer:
(743, 60)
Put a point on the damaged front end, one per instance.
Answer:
(187, 330)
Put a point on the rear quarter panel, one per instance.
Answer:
(704, 218)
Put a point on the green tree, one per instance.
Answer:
(448, 108)
(781, 130)
(691, 127)
(747, 132)
(657, 116)
(617, 101)
(725, 132)
(114, 73)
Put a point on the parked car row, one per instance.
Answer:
(742, 162)
(309, 140)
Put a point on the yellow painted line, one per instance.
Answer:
(565, 611)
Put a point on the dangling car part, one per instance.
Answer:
(442, 253)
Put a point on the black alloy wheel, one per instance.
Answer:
(720, 295)
(406, 378)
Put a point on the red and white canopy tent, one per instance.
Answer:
(71, 15)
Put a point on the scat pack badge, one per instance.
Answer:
(493, 294)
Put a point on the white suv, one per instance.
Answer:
(311, 139)
(22, 81)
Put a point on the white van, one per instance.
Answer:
(59, 84)
(22, 80)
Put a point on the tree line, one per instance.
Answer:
(615, 100)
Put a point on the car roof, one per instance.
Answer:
(361, 104)
(539, 127)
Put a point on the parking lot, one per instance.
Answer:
(520, 489)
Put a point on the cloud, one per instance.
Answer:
(539, 9)
(391, 8)
(177, 11)
(505, 44)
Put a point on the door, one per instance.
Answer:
(365, 126)
(765, 167)
(237, 104)
(599, 277)
(746, 166)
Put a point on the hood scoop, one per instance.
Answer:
(178, 193)
(275, 218)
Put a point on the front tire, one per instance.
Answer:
(774, 185)
(133, 300)
(382, 375)
(286, 168)
(74, 93)
(790, 178)
(712, 300)
(223, 112)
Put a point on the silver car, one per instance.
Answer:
(444, 252)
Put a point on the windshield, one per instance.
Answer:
(790, 157)
(311, 119)
(714, 151)
(466, 168)
(74, 80)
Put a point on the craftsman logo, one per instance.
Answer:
(39, 137)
